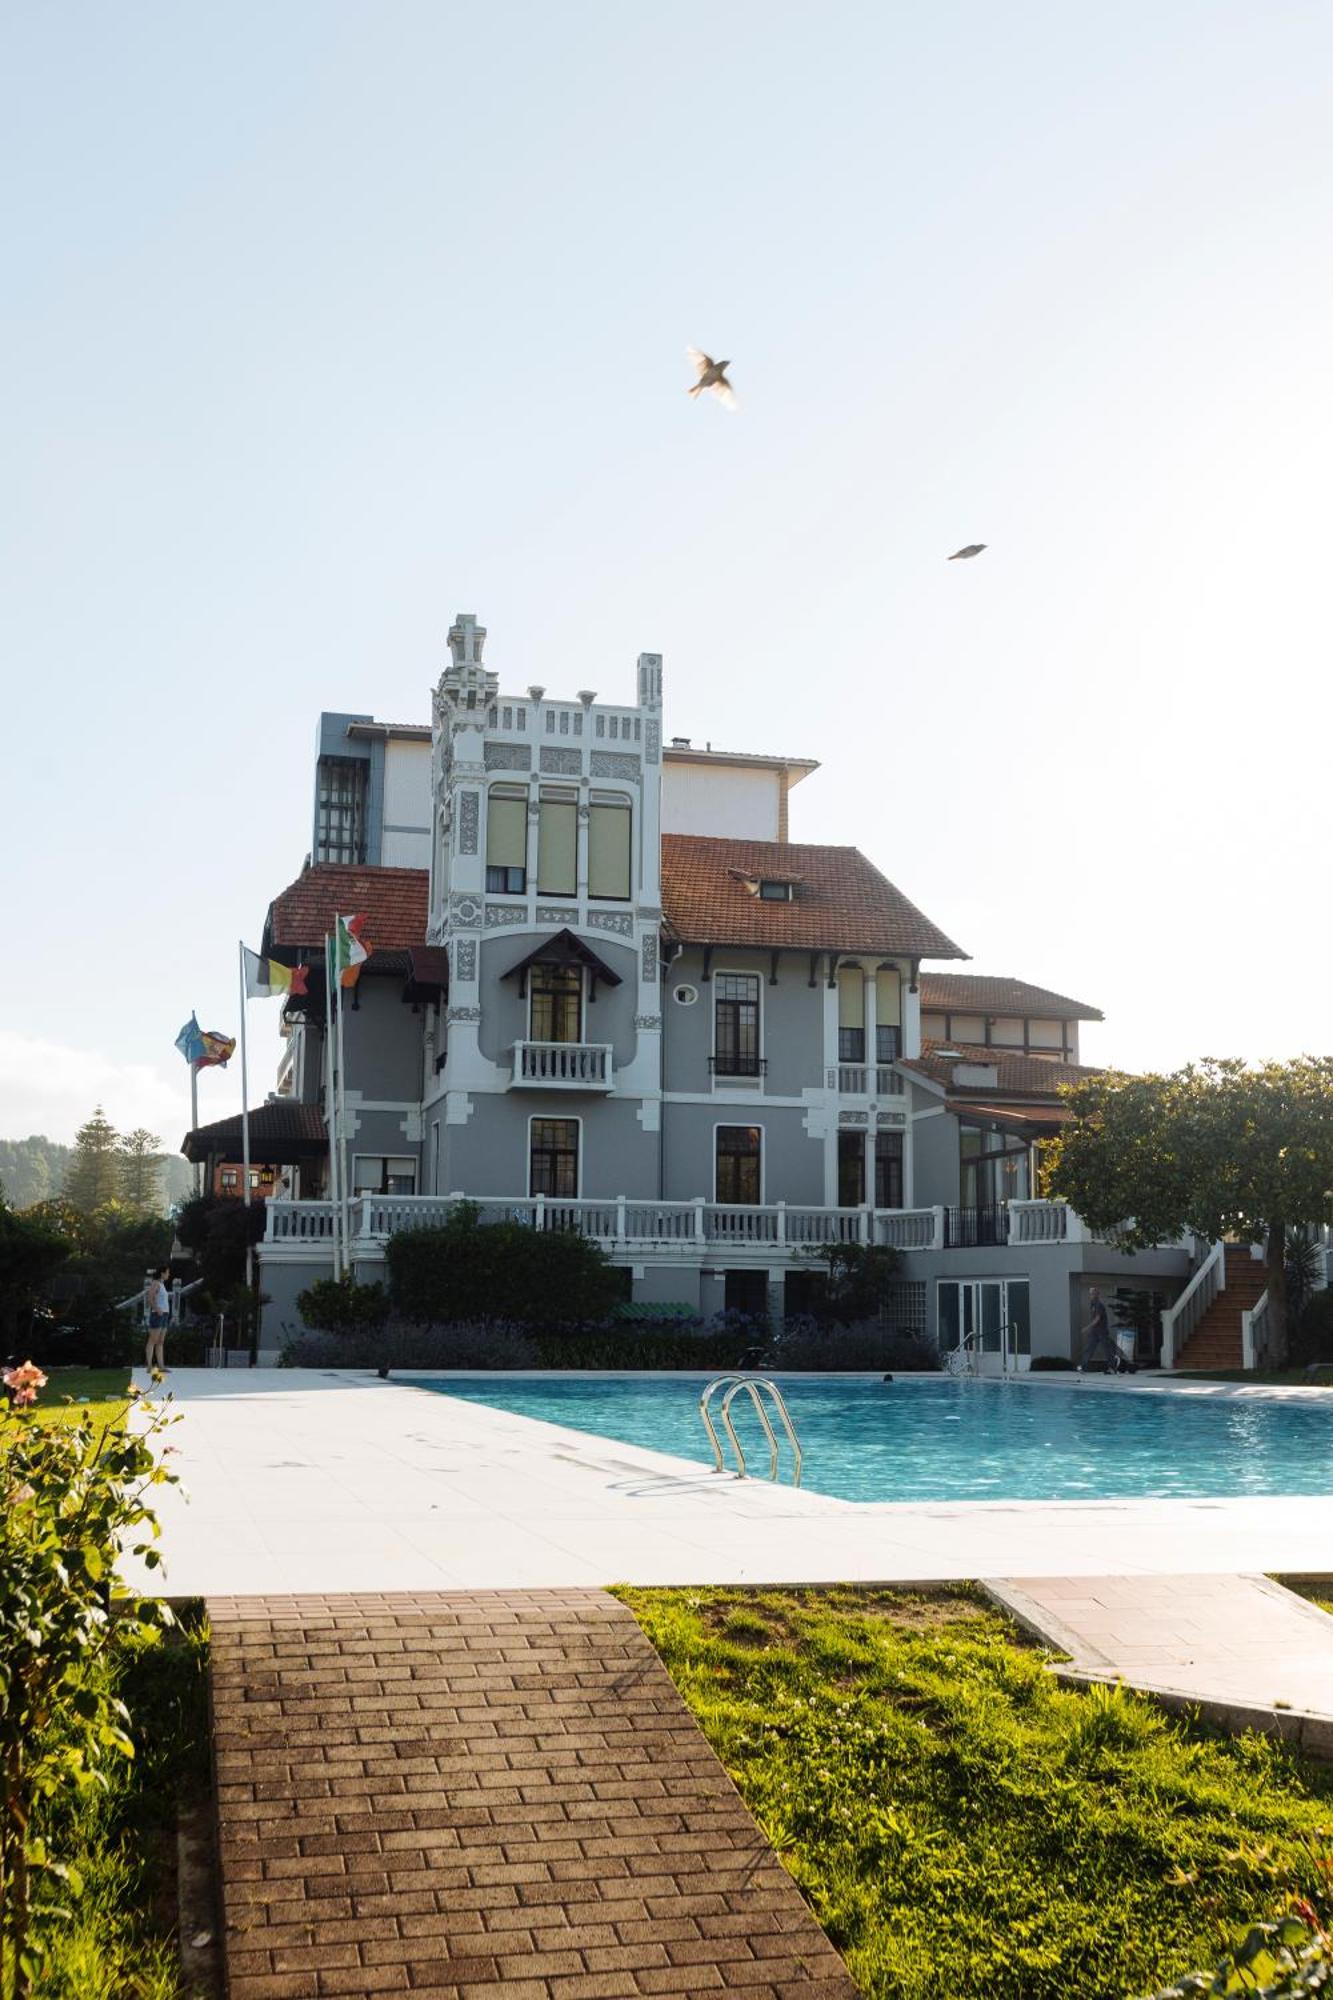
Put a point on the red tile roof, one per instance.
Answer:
(1016, 1075)
(392, 900)
(842, 903)
(281, 1131)
(967, 993)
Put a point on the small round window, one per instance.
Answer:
(685, 996)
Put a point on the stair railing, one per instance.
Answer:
(1180, 1320)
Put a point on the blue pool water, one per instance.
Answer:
(941, 1439)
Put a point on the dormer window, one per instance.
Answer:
(776, 892)
(768, 888)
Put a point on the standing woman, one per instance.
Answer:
(158, 1304)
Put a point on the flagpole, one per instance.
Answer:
(245, 1124)
(330, 1120)
(194, 1119)
(342, 1132)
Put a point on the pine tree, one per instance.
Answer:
(92, 1177)
(140, 1169)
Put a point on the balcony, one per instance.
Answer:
(869, 1080)
(562, 1066)
(729, 1068)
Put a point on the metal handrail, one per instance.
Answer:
(971, 1344)
(732, 1385)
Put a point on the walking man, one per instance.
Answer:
(1097, 1336)
(157, 1306)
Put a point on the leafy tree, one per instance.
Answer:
(32, 1169)
(500, 1271)
(92, 1177)
(859, 1281)
(140, 1171)
(217, 1228)
(30, 1254)
(1227, 1150)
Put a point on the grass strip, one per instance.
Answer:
(961, 1824)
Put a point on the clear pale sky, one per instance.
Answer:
(327, 321)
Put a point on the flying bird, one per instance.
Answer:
(972, 549)
(712, 375)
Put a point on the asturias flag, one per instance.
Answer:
(265, 976)
(190, 1040)
(350, 950)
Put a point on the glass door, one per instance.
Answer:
(989, 1318)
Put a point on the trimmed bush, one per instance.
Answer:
(804, 1344)
(469, 1272)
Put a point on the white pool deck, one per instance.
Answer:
(312, 1481)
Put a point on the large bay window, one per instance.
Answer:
(557, 844)
(851, 1169)
(507, 842)
(609, 849)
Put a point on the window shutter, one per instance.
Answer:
(557, 848)
(506, 832)
(888, 999)
(851, 997)
(608, 852)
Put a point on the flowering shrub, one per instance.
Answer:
(71, 1498)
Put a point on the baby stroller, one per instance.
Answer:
(1121, 1358)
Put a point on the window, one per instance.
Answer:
(340, 812)
(935, 1027)
(967, 1028)
(738, 1164)
(851, 1014)
(556, 1006)
(736, 1024)
(230, 1179)
(888, 1014)
(553, 1157)
(609, 850)
(851, 1169)
(383, 1174)
(1007, 1034)
(1046, 1034)
(775, 892)
(557, 846)
(888, 1170)
(507, 843)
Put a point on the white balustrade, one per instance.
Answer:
(564, 1065)
(852, 1079)
(1179, 1320)
(299, 1222)
(1256, 1332)
(909, 1228)
(1040, 1221)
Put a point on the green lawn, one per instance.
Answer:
(1319, 1592)
(960, 1823)
(99, 1391)
(118, 1939)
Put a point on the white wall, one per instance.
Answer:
(726, 801)
(406, 838)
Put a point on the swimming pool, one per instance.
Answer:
(935, 1438)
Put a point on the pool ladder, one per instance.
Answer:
(761, 1391)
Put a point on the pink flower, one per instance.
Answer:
(25, 1381)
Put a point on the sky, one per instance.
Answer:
(325, 322)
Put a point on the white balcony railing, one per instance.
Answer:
(374, 1218)
(869, 1080)
(563, 1065)
(621, 1219)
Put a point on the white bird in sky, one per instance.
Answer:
(712, 375)
(972, 549)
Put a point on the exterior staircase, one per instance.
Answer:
(1215, 1342)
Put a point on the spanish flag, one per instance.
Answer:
(265, 976)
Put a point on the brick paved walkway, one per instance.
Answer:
(479, 1794)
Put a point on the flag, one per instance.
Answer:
(217, 1052)
(265, 976)
(190, 1040)
(350, 951)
